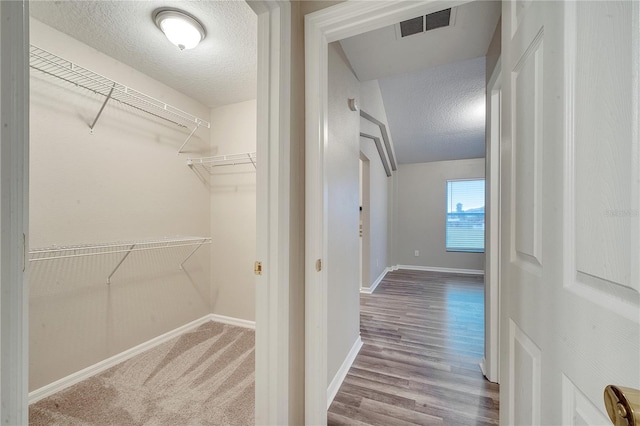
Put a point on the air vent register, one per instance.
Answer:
(421, 24)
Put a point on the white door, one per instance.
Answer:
(571, 226)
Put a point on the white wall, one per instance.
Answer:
(421, 214)
(233, 212)
(376, 243)
(342, 156)
(124, 182)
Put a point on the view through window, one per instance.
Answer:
(465, 215)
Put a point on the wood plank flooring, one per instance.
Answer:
(423, 335)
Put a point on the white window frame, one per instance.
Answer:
(446, 232)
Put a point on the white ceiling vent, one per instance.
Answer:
(422, 24)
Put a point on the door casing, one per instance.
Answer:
(490, 361)
(273, 389)
(321, 28)
(14, 211)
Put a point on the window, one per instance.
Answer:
(465, 215)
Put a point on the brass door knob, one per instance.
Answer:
(623, 405)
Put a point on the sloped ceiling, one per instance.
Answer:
(437, 114)
(433, 84)
(381, 53)
(219, 71)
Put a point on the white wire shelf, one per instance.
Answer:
(125, 248)
(53, 65)
(224, 160)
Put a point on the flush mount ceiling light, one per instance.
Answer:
(181, 29)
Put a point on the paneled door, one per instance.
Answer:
(570, 170)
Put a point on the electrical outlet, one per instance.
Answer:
(416, 253)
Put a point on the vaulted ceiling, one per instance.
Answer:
(437, 114)
(433, 83)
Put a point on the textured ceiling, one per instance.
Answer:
(437, 114)
(220, 71)
(433, 84)
(381, 53)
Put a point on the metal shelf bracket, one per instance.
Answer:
(188, 138)
(120, 263)
(104, 104)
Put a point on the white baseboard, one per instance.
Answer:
(437, 269)
(101, 366)
(233, 321)
(372, 287)
(333, 388)
(482, 364)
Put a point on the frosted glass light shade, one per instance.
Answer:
(181, 29)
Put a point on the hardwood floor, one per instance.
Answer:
(423, 335)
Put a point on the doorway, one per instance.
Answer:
(365, 216)
(341, 22)
(273, 144)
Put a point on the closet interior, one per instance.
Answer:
(142, 181)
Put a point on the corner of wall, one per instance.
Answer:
(341, 374)
(494, 50)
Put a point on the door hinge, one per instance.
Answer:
(257, 268)
(319, 265)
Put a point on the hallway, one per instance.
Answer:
(423, 341)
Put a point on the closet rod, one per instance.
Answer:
(53, 65)
(113, 248)
(37, 255)
(127, 248)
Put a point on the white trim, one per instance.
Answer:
(262, 300)
(334, 23)
(482, 364)
(273, 345)
(232, 321)
(14, 211)
(101, 366)
(273, 145)
(372, 287)
(341, 374)
(316, 83)
(438, 269)
(492, 218)
(495, 81)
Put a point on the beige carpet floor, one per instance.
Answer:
(203, 377)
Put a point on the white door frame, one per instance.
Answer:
(490, 362)
(273, 144)
(321, 28)
(14, 213)
(273, 199)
